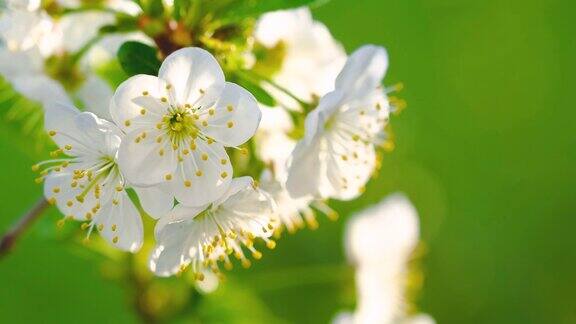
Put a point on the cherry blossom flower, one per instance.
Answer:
(337, 155)
(179, 123)
(202, 236)
(87, 185)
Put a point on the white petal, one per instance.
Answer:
(40, 88)
(195, 75)
(213, 180)
(305, 172)
(57, 186)
(363, 71)
(18, 63)
(121, 223)
(384, 234)
(124, 107)
(79, 28)
(236, 116)
(155, 200)
(142, 162)
(171, 250)
(349, 165)
(63, 119)
(96, 94)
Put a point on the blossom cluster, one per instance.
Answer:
(171, 145)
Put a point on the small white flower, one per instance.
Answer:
(87, 184)
(337, 156)
(199, 237)
(292, 213)
(28, 5)
(379, 241)
(312, 58)
(178, 124)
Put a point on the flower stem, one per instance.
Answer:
(9, 239)
(305, 105)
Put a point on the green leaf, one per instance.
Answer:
(254, 8)
(137, 58)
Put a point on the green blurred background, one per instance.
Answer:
(485, 150)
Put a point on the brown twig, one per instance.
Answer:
(9, 239)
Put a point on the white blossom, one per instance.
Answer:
(199, 237)
(312, 57)
(337, 155)
(179, 123)
(379, 241)
(86, 184)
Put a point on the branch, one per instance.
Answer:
(9, 239)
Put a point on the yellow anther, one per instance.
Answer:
(201, 91)
(257, 255)
(355, 137)
(223, 174)
(378, 106)
(55, 190)
(65, 164)
(60, 223)
(204, 123)
(163, 99)
(142, 111)
(145, 93)
(70, 203)
(344, 157)
(161, 152)
(192, 146)
(127, 123)
(246, 263)
(88, 216)
(211, 111)
(187, 105)
(80, 199)
(223, 161)
(84, 226)
(100, 227)
(204, 156)
(52, 201)
(230, 108)
(39, 180)
(159, 126)
(209, 141)
(52, 133)
(199, 173)
(35, 167)
(74, 184)
(138, 139)
(228, 265)
(114, 227)
(199, 276)
(168, 177)
(230, 124)
(174, 146)
(119, 188)
(57, 169)
(115, 239)
(187, 183)
(185, 151)
(244, 151)
(271, 244)
(168, 86)
(143, 135)
(68, 147)
(115, 202)
(159, 139)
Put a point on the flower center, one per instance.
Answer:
(179, 124)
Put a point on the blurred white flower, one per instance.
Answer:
(337, 156)
(29, 5)
(87, 184)
(199, 237)
(35, 44)
(273, 144)
(312, 58)
(379, 241)
(178, 124)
